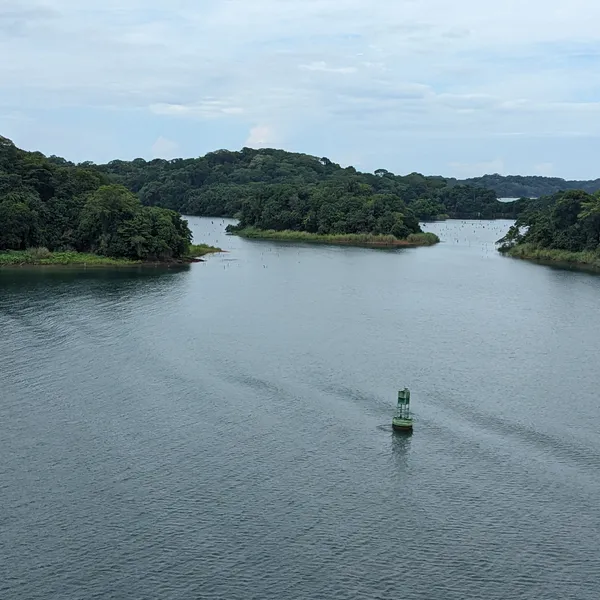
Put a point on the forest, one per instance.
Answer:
(233, 184)
(531, 186)
(51, 205)
(564, 226)
(132, 209)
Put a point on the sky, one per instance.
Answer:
(442, 87)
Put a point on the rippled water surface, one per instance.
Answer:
(222, 430)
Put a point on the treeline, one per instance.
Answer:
(49, 203)
(227, 184)
(517, 186)
(567, 221)
(341, 207)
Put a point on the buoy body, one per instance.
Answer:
(402, 420)
(402, 424)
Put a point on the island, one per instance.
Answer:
(339, 212)
(53, 212)
(561, 228)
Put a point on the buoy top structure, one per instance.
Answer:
(402, 420)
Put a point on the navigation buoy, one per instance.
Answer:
(402, 420)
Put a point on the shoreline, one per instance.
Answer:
(349, 239)
(546, 256)
(40, 258)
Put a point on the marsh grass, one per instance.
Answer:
(354, 239)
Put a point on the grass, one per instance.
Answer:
(42, 256)
(198, 250)
(531, 252)
(353, 239)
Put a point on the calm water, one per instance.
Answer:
(222, 431)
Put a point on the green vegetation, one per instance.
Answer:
(423, 239)
(561, 228)
(353, 239)
(198, 250)
(222, 183)
(43, 256)
(531, 252)
(68, 209)
(517, 186)
(340, 208)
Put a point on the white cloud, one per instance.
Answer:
(322, 66)
(205, 109)
(338, 76)
(14, 116)
(164, 148)
(261, 136)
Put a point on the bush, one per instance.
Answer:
(39, 253)
(423, 239)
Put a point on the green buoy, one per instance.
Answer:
(402, 420)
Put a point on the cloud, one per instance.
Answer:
(17, 20)
(339, 77)
(204, 109)
(321, 65)
(13, 11)
(261, 136)
(15, 116)
(164, 148)
(467, 101)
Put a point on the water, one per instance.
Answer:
(221, 431)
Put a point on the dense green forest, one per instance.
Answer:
(341, 207)
(517, 186)
(53, 205)
(564, 226)
(311, 193)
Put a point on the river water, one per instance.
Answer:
(222, 431)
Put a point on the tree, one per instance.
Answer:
(114, 223)
(105, 210)
(219, 183)
(18, 221)
(565, 221)
(56, 204)
(152, 234)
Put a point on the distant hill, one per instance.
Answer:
(531, 186)
(299, 191)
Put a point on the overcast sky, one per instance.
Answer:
(450, 87)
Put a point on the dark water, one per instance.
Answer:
(222, 431)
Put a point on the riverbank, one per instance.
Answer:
(546, 255)
(43, 257)
(15, 258)
(349, 239)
